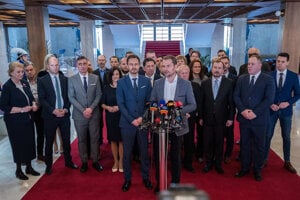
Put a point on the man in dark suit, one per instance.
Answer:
(229, 134)
(216, 113)
(188, 56)
(253, 95)
(133, 92)
(231, 69)
(31, 75)
(84, 93)
(287, 93)
(53, 96)
(149, 69)
(102, 73)
(173, 88)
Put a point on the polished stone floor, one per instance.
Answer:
(13, 189)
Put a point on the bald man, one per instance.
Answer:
(254, 51)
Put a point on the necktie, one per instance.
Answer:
(85, 84)
(216, 88)
(280, 81)
(58, 94)
(102, 72)
(252, 82)
(135, 87)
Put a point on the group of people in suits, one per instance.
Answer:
(257, 96)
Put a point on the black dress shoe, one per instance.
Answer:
(71, 165)
(241, 173)
(257, 176)
(20, 175)
(97, 166)
(148, 184)
(206, 169)
(84, 167)
(220, 170)
(126, 186)
(31, 171)
(48, 170)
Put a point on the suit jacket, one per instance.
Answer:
(290, 92)
(47, 96)
(197, 93)
(105, 78)
(81, 99)
(132, 105)
(183, 93)
(258, 99)
(216, 111)
(11, 96)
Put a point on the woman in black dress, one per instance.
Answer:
(17, 102)
(109, 104)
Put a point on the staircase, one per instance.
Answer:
(163, 48)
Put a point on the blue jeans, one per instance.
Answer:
(285, 124)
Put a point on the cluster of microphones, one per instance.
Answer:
(163, 114)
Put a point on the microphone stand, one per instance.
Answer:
(163, 136)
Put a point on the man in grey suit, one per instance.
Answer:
(173, 88)
(84, 94)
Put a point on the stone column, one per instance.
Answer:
(239, 42)
(291, 34)
(3, 55)
(38, 29)
(88, 40)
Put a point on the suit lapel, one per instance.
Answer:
(80, 84)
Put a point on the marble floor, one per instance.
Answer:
(13, 189)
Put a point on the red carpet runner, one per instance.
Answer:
(71, 184)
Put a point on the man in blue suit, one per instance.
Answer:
(133, 92)
(287, 93)
(253, 95)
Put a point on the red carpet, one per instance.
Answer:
(71, 184)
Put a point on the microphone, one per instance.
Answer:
(161, 103)
(164, 113)
(153, 109)
(178, 117)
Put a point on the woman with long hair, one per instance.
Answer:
(109, 104)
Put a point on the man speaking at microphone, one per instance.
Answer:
(172, 88)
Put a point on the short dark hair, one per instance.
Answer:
(222, 50)
(111, 73)
(170, 57)
(81, 58)
(148, 60)
(197, 52)
(131, 57)
(284, 54)
(225, 57)
(257, 57)
(114, 57)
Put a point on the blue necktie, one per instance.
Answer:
(85, 84)
(280, 84)
(58, 94)
(135, 87)
(216, 88)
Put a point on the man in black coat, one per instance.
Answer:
(53, 96)
(216, 113)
